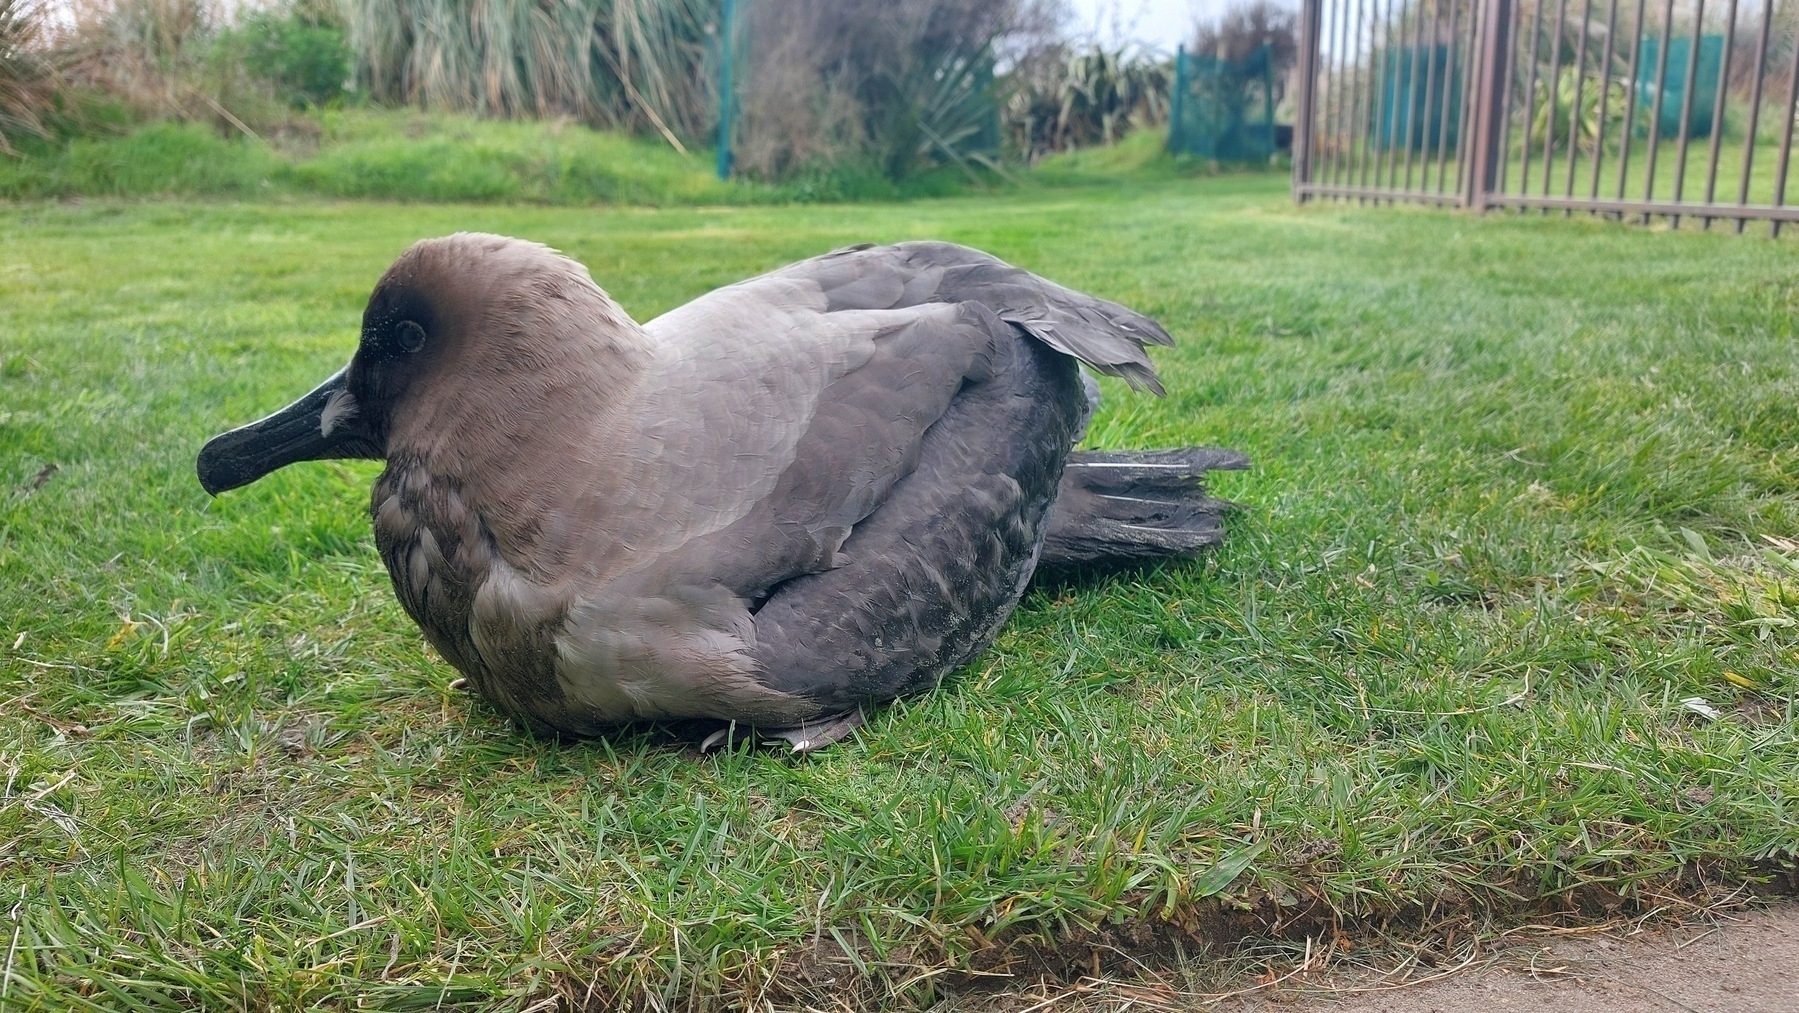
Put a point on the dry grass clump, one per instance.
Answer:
(142, 60)
(26, 71)
(636, 64)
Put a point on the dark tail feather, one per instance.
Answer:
(1132, 507)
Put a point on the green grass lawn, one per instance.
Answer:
(1524, 486)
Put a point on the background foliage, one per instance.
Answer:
(836, 98)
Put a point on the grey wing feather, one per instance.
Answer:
(1103, 334)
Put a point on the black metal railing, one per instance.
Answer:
(1628, 108)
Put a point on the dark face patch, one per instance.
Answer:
(400, 329)
(397, 322)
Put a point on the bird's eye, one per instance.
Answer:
(410, 335)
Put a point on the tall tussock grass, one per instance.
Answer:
(635, 64)
(26, 78)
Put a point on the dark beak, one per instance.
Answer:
(323, 424)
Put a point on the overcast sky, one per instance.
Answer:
(1160, 23)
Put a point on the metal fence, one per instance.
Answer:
(1627, 108)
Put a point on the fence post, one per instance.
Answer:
(1175, 98)
(1491, 59)
(1304, 107)
(1268, 100)
(727, 88)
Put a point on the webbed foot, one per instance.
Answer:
(805, 737)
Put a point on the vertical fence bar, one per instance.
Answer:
(1382, 41)
(1488, 151)
(1409, 59)
(1574, 111)
(1305, 102)
(1786, 139)
(1711, 172)
(1605, 94)
(1383, 151)
(1370, 95)
(1686, 107)
(1176, 98)
(1655, 108)
(1505, 98)
(1630, 100)
(1346, 96)
(1449, 95)
(1396, 20)
(1330, 109)
(1387, 99)
(1464, 138)
(1267, 90)
(1321, 101)
(1364, 101)
(1755, 105)
(1551, 86)
(1432, 71)
(1529, 50)
(727, 89)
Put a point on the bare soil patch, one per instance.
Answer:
(1745, 962)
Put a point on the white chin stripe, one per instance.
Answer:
(339, 407)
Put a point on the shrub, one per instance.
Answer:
(1062, 100)
(300, 52)
(903, 85)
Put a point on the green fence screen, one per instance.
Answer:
(1674, 83)
(1421, 98)
(1223, 109)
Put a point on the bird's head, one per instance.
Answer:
(460, 329)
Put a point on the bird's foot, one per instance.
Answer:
(805, 737)
(459, 683)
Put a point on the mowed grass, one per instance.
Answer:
(1507, 627)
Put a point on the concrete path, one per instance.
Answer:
(1746, 962)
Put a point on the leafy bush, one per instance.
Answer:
(1586, 123)
(1062, 100)
(904, 85)
(300, 52)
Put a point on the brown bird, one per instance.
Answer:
(790, 499)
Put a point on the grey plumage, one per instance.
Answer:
(1124, 507)
(811, 491)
